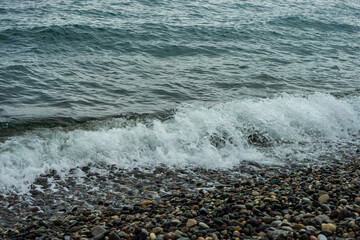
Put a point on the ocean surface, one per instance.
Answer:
(180, 84)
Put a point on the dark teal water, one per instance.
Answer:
(99, 58)
(182, 83)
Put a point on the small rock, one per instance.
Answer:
(344, 214)
(170, 235)
(286, 228)
(100, 236)
(304, 237)
(276, 223)
(321, 237)
(76, 236)
(324, 198)
(239, 206)
(123, 234)
(191, 223)
(234, 223)
(179, 233)
(236, 233)
(326, 207)
(343, 201)
(334, 214)
(322, 218)
(277, 234)
(203, 225)
(114, 236)
(175, 221)
(262, 234)
(328, 227)
(146, 202)
(157, 230)
(152, 236)
(352, 224)
(214, 236)
(298, 226)
(254, 222)
(203, 211)
(97, 230)
(267, 219)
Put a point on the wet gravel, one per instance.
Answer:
(258, 202)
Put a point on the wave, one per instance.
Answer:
(158, 40)
(320, 25)
(282, 130)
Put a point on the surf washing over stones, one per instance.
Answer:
(287, 129)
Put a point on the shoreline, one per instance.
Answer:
(322, 202)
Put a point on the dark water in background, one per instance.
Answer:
(63, 62)
(96, 58)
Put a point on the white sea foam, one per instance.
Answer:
(279, 130)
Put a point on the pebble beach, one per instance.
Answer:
(320, 202)
(198, 120)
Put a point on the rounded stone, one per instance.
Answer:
(191, 223)
(324, 198)
(328, 227)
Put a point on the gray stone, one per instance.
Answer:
(234, 223)
(97, 230)
(204, 225)
(214, 236)
(179, 233)
(114, 236)
(276, 223)
(122, 234)
(343, 201)
(324, 198)
(323, 218)
(326, 207)
(100, 236)
(239, 206)
(321, 237)
(277, 234)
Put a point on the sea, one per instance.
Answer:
(180, 85)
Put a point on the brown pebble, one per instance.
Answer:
(298, 226)
(261, 234)
(191, 223)
(323, 198)
(237, 228)
(76, 235)
(170, 235)
(185, 229)
(146, 202)
(351, 234)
